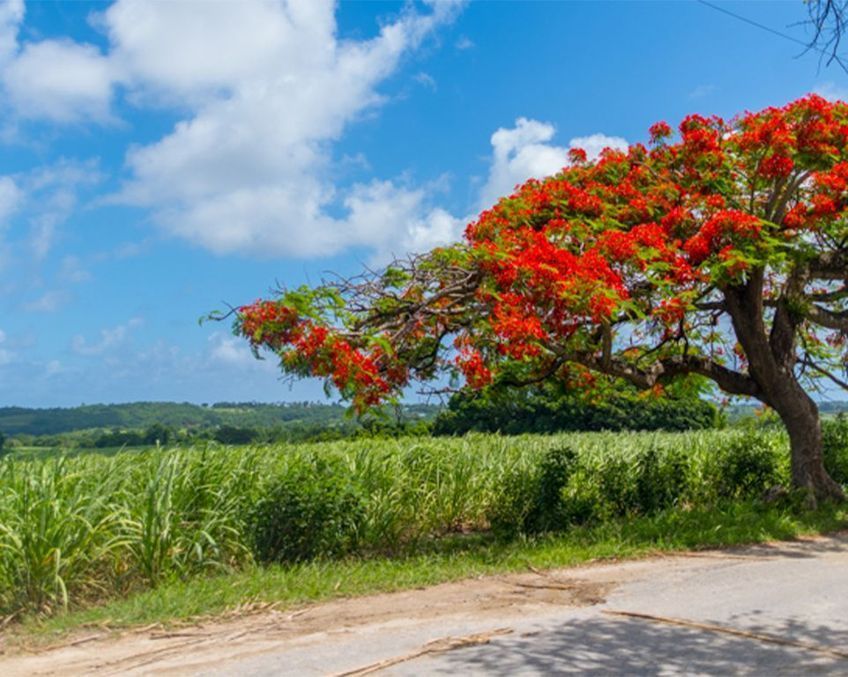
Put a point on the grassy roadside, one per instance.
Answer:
(442, 561)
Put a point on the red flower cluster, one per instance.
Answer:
(659, 131)
(577, 156)
(474, 369)
(724, 229)
(314, 349)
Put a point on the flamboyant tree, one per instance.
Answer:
(721, 251)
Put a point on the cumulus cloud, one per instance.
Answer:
(57, 80)
(525, 151)
(414, 225)
(264, 88)
(248, 172)
(109, 339)
(61, 81)
(594, 144)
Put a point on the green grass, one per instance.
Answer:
(440, 561)
(165, 534)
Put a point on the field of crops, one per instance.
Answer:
(80, 529)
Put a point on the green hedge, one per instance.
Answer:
(513, 412)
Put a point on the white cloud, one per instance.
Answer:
(594, 144)
(60, 81)
(48, 302)
(248, 170)
(173, 48)
(395, 220)
(42, 199)
(264, 89)
(426, 80)
(52, 195)
(702, 91)
(57, 80)
(11, 197)
(45, 223)
(524, 151)
(72, 271)
(6, 355)
(832, 92)
(11, 15)
(229, 351)
(109, 339)
(464, 42)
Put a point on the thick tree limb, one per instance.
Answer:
(826, 318)
(829, 266)
(728, 380)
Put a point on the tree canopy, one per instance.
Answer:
(547, 408)
(720, 251)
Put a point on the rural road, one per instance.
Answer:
(763, 610)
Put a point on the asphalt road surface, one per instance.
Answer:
(766, 610)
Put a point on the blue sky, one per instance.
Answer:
(159, 160)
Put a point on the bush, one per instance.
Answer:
(514, 411)
(313, 510)
(556, 468)
(744, 467)
(512, 502)
(835, 433)
(532, 502)
(661, 480)
(231, 434)
(565, 488)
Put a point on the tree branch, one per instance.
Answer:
(829, 266)
(826, 318)
(824, 372)
(728, 380)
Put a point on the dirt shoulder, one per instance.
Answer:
(209, 645)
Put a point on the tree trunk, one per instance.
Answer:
(771, 364)
(800, 415)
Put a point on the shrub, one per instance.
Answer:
(231, 434)
(313, 510)
(583, 497)
(661, 479)
(512, 502)
(744, 467)
(549, 511)
(545, 410)
(617, 480)
(835, 434)
(532, 501)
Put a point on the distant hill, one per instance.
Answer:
(737, 412)
(137, 415)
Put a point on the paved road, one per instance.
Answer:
(780, 609)
(783, 615)
(760, 611)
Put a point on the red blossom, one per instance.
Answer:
(659, 131)
(577, 156)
